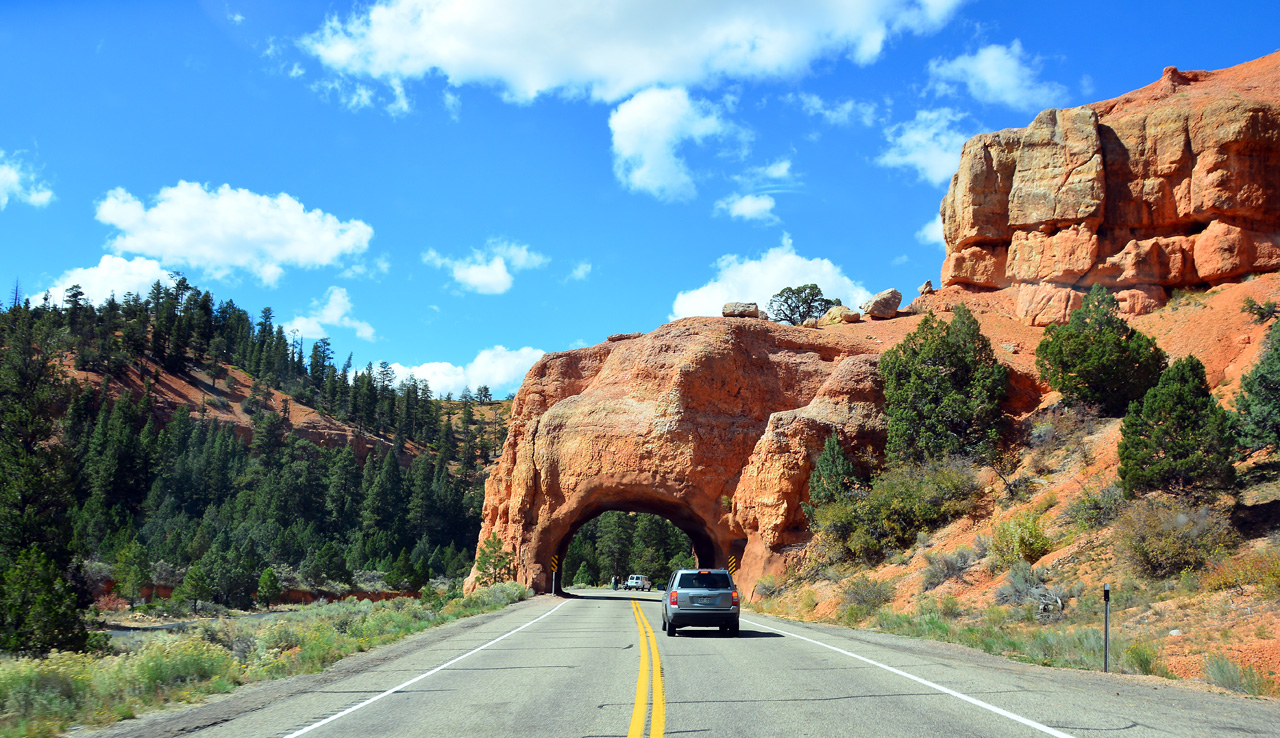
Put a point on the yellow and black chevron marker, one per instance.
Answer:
(555, 563)
(733, 564)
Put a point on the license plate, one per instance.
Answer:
(704, 600)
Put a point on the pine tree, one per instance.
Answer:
(1258, 404)
(35, 490)
(1097, 359)
(942, 390)
(613, 547)
(38, 610)
(1178, 438)
(382, 514)
(494, 564)
(268, 587)
(583, 577)
(834, 474)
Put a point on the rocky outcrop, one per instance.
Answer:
(839, 314)
(1175, 184)
(713, 423)
(740, 310)
(882, 304)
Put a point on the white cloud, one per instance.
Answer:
(931, 233)
(399, 105)
(647, 131)
(610, 50)
(500, 368)
(900, 259)
(296, 70)
(380, 266)
(1086, 85)
(334, 311)
(836, 114)
(579, 272)
(757, 280)
(361, 96)
(930, 144)
(235, 18)
(774, 177)
(112, 275)
(452, 104)
(998, 74)
(19, 181)
(486, 270)
(224, 231)
(748, 207)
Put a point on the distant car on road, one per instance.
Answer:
(701, 597)
(638, 582)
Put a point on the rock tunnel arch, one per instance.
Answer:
(711, 423)
(712, 546)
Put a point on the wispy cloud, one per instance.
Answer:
(488, 271)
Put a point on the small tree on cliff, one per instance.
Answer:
(1177, 439)
(493, 563)
(942, 390)
(1097, 359)
(794, 304)
(1259, 402)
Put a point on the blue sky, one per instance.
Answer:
(456, 187)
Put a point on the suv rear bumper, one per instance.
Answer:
(682, 618)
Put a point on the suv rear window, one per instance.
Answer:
(710, 580)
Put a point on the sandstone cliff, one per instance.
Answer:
(1176, 184)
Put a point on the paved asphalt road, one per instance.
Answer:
(587, 667)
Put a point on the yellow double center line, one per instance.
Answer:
(648, 652)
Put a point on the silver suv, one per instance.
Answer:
(701, 597)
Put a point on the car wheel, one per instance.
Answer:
(671, 630)
(733, 630)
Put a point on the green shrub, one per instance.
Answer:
(942, 390)
(1225, 673)
(1258, 404)
(1178, 439)
(1163, 537)
(949, 606)
(1144, 658)
(1028, 588)
(1019, 539)
(1098, 509)
(944, 566)
(902, 502)
(1097, 359)
(38, 611)
(861, 596)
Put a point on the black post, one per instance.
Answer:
(1106, 627)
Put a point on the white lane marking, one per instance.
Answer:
(420, 677)
(971, 700)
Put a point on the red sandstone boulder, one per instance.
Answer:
(710, 422)
(1176, 184)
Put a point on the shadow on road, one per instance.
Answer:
(620, 596)
(715, 633)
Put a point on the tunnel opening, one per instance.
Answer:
(658, 538)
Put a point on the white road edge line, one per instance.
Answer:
(971, 700)
(420, 677)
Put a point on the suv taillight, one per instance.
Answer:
(673, 597)
(735, 598)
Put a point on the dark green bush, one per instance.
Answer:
(942, 390)
(901, 502)
(1178, 439)
(1164, 537)
(1097, 359)
(1258, 404)
(1019, 539)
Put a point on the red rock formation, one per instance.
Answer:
(711, 422)
(1175, 184)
